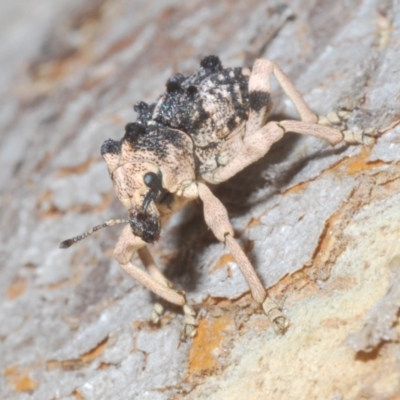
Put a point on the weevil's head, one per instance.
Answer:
(150, 168)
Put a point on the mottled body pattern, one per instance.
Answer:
(204, 129)
(211, 106)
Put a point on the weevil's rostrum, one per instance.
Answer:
(205, 128)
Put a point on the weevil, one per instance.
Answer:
(202, 130)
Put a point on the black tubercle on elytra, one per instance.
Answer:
(191, 90)
(231, 124)
(145, 112)
(211, 63)
(209, 103)
(258, 100)
(134, 129)
(111, 146)
(133, 132)
(174, 83)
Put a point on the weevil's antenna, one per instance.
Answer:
(69, 242)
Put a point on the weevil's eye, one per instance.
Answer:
(153, 181)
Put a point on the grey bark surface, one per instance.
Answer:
(320, 224)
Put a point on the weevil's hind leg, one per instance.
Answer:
(366, 137)
(260, 91)
(217, 219)
(153, 280)
(259, 137)
(259, 84)
(259, 94)
(339, 120)
(257, 144)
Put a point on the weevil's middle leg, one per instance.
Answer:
(217, 219)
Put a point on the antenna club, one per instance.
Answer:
(69, 242)
(66, 243)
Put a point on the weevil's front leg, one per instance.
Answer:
(217, 219)
(154, 280)
(126, 246)
(153, 270)
(190, 322)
